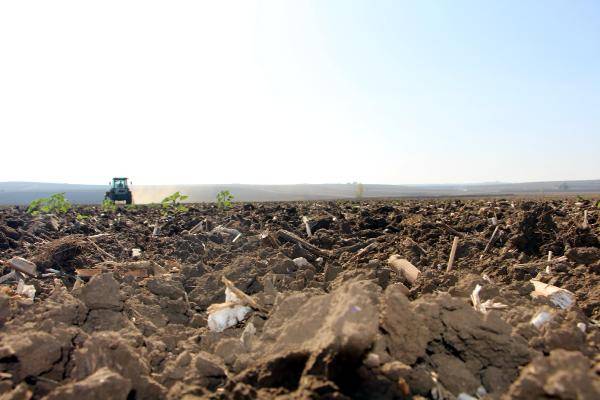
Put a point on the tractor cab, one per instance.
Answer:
(119, 183)
(119, 191)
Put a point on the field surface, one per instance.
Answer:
(321, 299)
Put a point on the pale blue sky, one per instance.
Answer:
(336, 91)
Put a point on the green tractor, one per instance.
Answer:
(119, 191)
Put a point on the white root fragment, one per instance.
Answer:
(236, 307)
(542, 263)
(452, 254)
(490, 305)
(307, 226)
(247, 335)
(231, 232)
(225, 315)
(548, 267)
(585, 224)
(486, 305)
(22, 265)
(541, 318)
(492, 239)
(242, 297)
(404, 267)
(199, 227)
(27, 291)
(285, 236)
(363, 251)
(476, 300)
(559, 297)
(301, 262)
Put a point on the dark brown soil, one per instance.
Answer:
(338, 324)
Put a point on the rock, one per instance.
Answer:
(547, 377)
(194, 271)
(228, 349)
(208, 290)
(106, 320)
(535, 226)
(332, 271)
(286, 266)
(319, 223)
(31, 353)
(10, 232)
(176, 369)
(207, 365)
(162, 286)
(583, 255)
(479, 341)
(202, 369)
(102, 384)
(4, 241)
(151, 313)
(304, 334)
(244, 272)
(344, 318)
(102, 292)
(301, 262)
(110, 350)
(454, 374)
(407, 333)
(495, 380)
(420, 381)
(176, 311)
(61, 306)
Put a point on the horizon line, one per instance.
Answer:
(326, 183)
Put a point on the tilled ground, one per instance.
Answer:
(331, 318)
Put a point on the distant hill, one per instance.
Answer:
(19, 193)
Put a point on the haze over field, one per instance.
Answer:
(25, 192)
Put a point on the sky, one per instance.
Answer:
(323, 91)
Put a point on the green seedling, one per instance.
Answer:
(172, 204)
(108, 206)
(55, 204)
(81, 217)
(224, 198)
